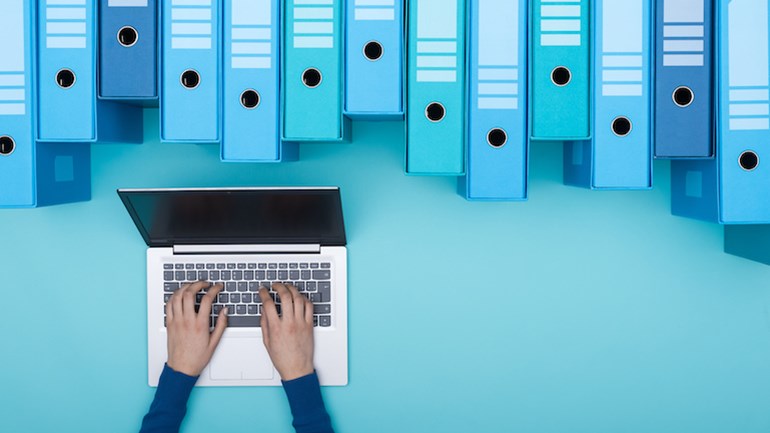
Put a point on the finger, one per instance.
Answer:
(265, 325)
(268, 306)
(205, 309)
(299, 306)
(219, 329)
(176, 303)
(308, 311)
(287, 307)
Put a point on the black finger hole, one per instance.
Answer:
(127, 36)
(435, 112)
(497, 137)
(621, 126)
(65, 78)
(7, 145)
(748, 160)
(311, 77)
(190, 79)
(561, 76)
(373, 50)
(250, 99)
(683, 96)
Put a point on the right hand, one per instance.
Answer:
(289, 338)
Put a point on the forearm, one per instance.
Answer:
(170, 404)
(307, 405)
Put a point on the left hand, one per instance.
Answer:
(190, 342)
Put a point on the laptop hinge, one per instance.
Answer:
(247, 249)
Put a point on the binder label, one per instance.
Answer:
(12, 90)
(683, 32)
(437, 41)
(65, 27)
(560, 23)
(748, 67)
(313, 24)
(191, 25)
(498, 53)
(375, 10)
(251, 34)
(622, 45)
(127, 3)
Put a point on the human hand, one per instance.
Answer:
(190, 343)
(288, 339)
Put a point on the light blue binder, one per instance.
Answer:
(560, 70)
(190, 95)
(735, 187)
(68, 108)
(619, 154)
(31, 175)
(435, 119)
(252, 87)
(374, 59)
(313, 71)
(684, 79)
(128, 51)
(497, 117)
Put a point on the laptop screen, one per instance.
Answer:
(167, 217)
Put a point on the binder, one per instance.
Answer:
(684, 90)
(31, 175)
(435, 118)
(560, 70)
(128, 50)
(313, 71)
(497, 117)
(751, 242)
(374, 59)
(190, 94)
(68, 107)
(734, 188)
(251, 107)
(618, 155)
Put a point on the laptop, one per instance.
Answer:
(246, 238)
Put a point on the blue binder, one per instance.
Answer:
(749, 241)
(497, 117)
(31, 175)
(619, 154)
(435, 119)
(684, 89)
(128, 50)
(734, 188)
(374, 59)
(252, 88)
(190, 94)
(313, 71)
(559, 70)
(68, 108)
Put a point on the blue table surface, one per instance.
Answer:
(577, 311)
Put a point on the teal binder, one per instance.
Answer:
(435, 121)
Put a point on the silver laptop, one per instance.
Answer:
(246, 238)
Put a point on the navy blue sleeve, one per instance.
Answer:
(170, 404)
(307, 405)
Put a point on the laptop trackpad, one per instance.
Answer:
(241, 358)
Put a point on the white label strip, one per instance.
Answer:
(190, 2)
(498, 43)
(622, 61)
(12, 109)
(622, 90)
(65, 2)
(498, 89)
(436, 61)
(127, 3)
(313, 42)
(436, 76)
(11, 44)
(428, 47)
(560, 11)
(749, 109)
(65, 14)
(683, 60)
(12, 80)
(65, 28)
(375, 2)
(314, 28)
(622, 22)
(622, 75)
(191, 29)
(560, 25)
(313, 13)
(12, 95)
(251, 12)
(375, 14)
(65, 42)
(191, 43)
(251, 48)
(437, 19)
(251, 63)
(749, 95)
(498, 74)
(747, 37)
(683, 11)
(559, 40)
(683, 31)
(241, 34)
(487, 103)
(191, 14)
(683, 45)
(314, 2)
(749, 124)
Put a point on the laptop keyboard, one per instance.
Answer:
(242, 281)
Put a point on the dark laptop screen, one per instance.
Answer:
(237, 216)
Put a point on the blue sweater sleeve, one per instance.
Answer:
(307, 405)
(170, 404)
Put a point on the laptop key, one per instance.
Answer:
(312, 286)
(192, 275)
(168, 266)
(189, 266)
(283, 275)
(246, 298)
(170, 287)
(179, 275)
(314, 266)
(326, 265)
(252, 309)
(293, 266)
(243, 321)
(294, 275)
(241, 309)
(203, 275)
(241, 266)
(243, 286)
(262, 266)
(231, 266)
(252, 266)
(220, 265)
(303, 265)
(259, 275)
(325, 291)
(315, 320)
(248, 275)
(226, 275)
(282, 266)
(305, 275)
(166, 297)
(200, 266)
(209, 266)
(237, 275)
(323, 274)
(253, 286)
(235, 298)
(322, 309)
(230, 286)
(222, 299)
(300, 285)
(272, 266)
(179, 266)
(168, 275)
(214, 275)
(217, 308)
(326, 321)
(315, 297)
(271, 275)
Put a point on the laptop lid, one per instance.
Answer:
(222, 216)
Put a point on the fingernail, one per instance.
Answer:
(224, 311)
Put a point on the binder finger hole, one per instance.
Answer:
(373, 50)
(311, 77)
(748, 160)
(65, 78)
(128, 36)
(435, 112)
(497, 137)
(621, 126)
(250, 99)
(561, 76)
(7, 145)
(683, 96)
(190, 79)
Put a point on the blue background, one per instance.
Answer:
(577, 311)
